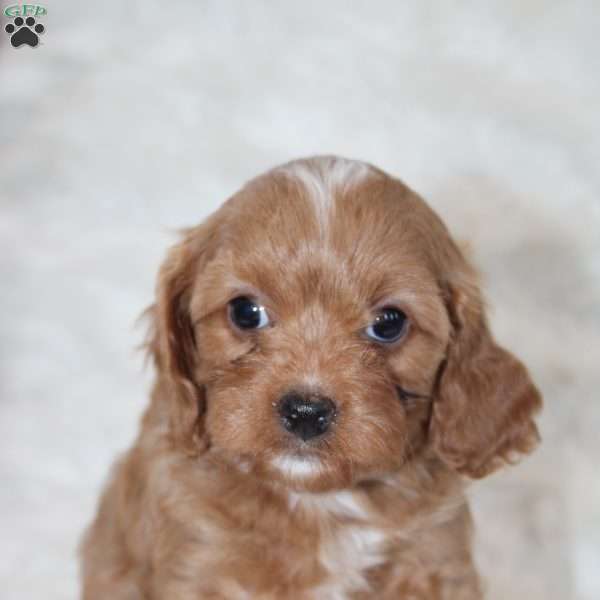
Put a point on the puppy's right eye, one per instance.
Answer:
(246, 314)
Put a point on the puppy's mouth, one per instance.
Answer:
(298, 467)
(299, 458)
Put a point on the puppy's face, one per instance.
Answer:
(307, 330)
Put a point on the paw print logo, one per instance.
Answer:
(24, 32)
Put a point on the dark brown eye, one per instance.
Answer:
(247, 314)
(388, 326)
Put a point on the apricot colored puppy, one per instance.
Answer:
(326, 384)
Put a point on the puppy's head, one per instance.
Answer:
(322, 328)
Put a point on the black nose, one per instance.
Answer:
(306, 415)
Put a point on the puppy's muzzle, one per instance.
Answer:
(306, 415)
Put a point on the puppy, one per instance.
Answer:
(326, 384)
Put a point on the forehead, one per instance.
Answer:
(337, 233)
(331, 210)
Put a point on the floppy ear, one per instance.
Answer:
(482, 414)
(172, 341)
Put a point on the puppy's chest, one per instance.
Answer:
(349, 543)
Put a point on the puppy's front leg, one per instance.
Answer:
(108, 569)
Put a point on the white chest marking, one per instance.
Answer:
(347, 550)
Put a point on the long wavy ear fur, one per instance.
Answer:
(483, 411)
(172, 342)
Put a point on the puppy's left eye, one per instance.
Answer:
(388, 326)
(246, 314)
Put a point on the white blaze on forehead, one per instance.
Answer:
(322, 177)
(295, 467)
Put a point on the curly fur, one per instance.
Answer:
(216, 500)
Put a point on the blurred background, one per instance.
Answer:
(132, 119)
